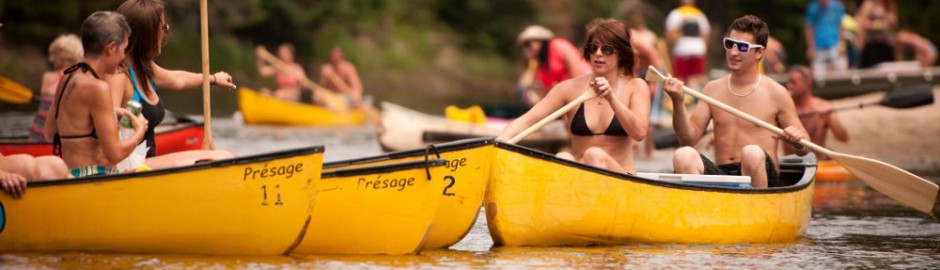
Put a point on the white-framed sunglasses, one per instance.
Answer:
(743, 46)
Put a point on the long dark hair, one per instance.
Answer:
(615, 33)
(143, 16)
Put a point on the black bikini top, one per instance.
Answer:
(579, 125)
(57, 140)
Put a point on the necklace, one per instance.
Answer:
(600, 100)
(748, 93)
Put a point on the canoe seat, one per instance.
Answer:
(735, 181)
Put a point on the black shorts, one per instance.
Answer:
(773, 178)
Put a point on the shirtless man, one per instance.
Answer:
(815, 113)
(741, 148)
(341, 77)
(87, 125)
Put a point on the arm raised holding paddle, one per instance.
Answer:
(741, 148)
(612, 105)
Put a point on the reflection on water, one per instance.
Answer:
(852, 226)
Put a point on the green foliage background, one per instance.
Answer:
(420, 53)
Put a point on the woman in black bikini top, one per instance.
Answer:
(83, 102)
(622, 102)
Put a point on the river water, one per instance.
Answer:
(852, 226)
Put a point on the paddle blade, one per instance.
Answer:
(909, 97)
(901, 185)
(653, 75)
(13, 92)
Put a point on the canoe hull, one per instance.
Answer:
(537, 200)
(185, 135)
(467, 173)
(387, 209)
(260, 109)
(256, 205)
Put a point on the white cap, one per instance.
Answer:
(534, 32)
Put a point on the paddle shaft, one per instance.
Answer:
(588, 94)
(206, 107)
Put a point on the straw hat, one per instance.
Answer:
(534, 32)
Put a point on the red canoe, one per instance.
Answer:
(181, 135)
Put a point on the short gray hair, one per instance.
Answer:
(101, 28)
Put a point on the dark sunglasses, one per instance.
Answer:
(606, 49)
(742, 46)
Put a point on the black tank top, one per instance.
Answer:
(153, 112)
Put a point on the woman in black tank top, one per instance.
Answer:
(142, 78)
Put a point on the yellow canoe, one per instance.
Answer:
(383, 209)
(260, 109)
(535, 199)
(255, 205)
(467, 173)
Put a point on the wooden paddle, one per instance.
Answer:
(588, 94)
(333, 101)
(206, 108)
(916, 96)
(892, 181)
(13, 92)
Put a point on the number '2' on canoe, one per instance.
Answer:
(467, 171)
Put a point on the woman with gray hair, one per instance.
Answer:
(84, 129)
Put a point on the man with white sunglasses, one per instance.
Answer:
(741, 148)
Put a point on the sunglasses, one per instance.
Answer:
(741, 45)
(606, 49)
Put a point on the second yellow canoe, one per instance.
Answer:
(383, 209)
(467, 173)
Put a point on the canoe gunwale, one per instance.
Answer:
(197, 166)
(808, 163)
(431, 149)
(386, 168)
